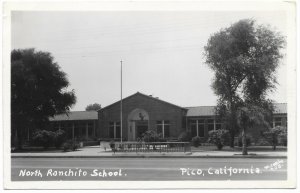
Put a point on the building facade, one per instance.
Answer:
(142, 112)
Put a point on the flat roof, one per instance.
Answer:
(200, 111)
(279, 108)
(76, 115)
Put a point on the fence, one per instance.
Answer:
(151, 147)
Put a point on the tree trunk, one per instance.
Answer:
(232, 123)
(232, 135)
(245, 152)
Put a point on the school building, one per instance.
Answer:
(143, 112)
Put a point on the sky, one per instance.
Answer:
(162, 52)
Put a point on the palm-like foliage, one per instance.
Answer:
(248, 117)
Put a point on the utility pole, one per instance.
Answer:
(121, 109)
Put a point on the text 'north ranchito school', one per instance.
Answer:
(104, 173)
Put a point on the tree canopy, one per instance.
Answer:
(244, 58)
(38, 89)
(93, 107)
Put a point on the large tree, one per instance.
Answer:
(93, 107)
(38, 91)
(244, 58)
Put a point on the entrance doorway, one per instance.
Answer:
(141, 128)
(138, 124)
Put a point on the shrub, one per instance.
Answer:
(275, 134)
(248, 141)
(75, 145)
(59, 138)
(263, 142)
(283, 138)
(218, 137)
(152, 136)
(43, 138)
(67, 146)
(70, 145)
(196, 141)
(185, 136)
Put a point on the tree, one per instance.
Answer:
(93, 107)
(248, 117)
(38, 91)
(244, 58)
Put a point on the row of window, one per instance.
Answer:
(196, 126)
(79, 128)
(280, 121)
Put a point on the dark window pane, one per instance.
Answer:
(90, 130)
(210, 127)
(111, 132)
(201, 130)
(210, 121)
(158, 122)
(193, 130)
(118, 132)
(278, 119)
(166, 122)
(192, 121)
(159, 129)
(277, 124)
(218, 126)
(167, 131)
(201, 121)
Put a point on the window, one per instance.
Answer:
(201, 130)
(193, 130)
(210, 125)
(163, 127)
(197, 128)
(90, 129)
(114, 130)
(277, 121)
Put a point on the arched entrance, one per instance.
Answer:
(138, 123)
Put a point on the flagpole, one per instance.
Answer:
(121, 109)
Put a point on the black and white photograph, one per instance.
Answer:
(140, 95)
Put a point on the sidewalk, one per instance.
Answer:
(97, 152)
